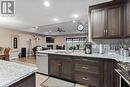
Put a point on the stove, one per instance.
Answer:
(124, 72)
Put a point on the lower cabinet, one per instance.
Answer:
(66, 69)
(117, 79)
(89, 79)
(54, 67)
(93, 72)
(60, 66)
(88, 72)
(26, 82)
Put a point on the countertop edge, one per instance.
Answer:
(100, 56)
(22, 77)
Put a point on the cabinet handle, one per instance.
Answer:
(86, 79)
(59, 64)
(104, 31)
(85, 67)
(85, 59)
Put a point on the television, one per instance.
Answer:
(49, 40)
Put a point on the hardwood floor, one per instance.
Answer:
(30, 59)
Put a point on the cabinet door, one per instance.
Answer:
(128, 19)
(26, 82)
(98, 23)
(66, 69)
(116, 79)
(54, 67)
(114, 15)
(109, 73)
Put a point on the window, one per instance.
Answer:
(78, 42)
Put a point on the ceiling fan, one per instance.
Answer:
(60, 29)
(36, 27)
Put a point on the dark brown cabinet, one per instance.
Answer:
(26, 82)
(88, 71)
(94, 72)
(117, 79)
(98, 23)
(55, 66)
(66, 68)
(109, 73)
(106, 22)
(60, 67)
(127, 18)
(111, 19)
(114, 18)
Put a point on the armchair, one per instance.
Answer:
(4, 53)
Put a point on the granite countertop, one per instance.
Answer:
(11, 72)
(94, 55)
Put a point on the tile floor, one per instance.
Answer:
(41, 78)
(31, 61)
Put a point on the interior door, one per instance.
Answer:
(114, 15)
(98, 23)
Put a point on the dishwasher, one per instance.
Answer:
(42, 63)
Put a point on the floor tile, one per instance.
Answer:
(78, 85)
(39, 79)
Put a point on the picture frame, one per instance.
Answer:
(15, 42)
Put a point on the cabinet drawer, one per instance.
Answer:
(87, 68)
(88, 61)
(88, 79)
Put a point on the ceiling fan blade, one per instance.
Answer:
(60, 29)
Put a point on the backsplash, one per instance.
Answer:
(112, 41)
(127, 42)
(109, 41)
(109, 45)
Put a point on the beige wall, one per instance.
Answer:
(5, 40)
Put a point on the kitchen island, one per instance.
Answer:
(16, 75)
(95, 70)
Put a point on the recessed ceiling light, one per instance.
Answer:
(74, 21)
(75, 15)
(46, 3)
(50, 31)
(55, 19)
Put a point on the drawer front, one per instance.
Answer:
(88, 61)
(87, 68)
(90, 80)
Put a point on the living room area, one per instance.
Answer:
(22, 46)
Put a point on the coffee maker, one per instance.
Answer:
(88, 48)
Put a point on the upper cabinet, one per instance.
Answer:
(114, 25)
(107, 21)
(127, 19)
(98, 23)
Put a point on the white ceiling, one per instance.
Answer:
(31, 13)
